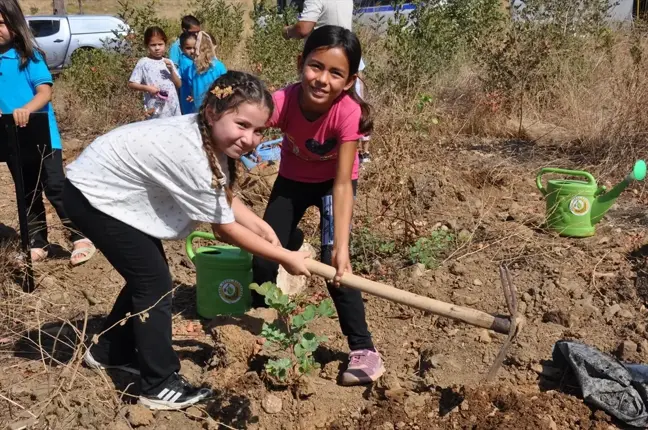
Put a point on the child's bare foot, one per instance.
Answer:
(38, 254)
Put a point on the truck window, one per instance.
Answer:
(44, 27)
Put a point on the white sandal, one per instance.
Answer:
(88, 250)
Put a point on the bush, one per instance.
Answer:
(430, 38)
(528, 55)
(139, 18)
(223, 20)
(270, 56)
(93, 95)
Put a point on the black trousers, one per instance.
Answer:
(288, 203)
(140, 260)
(44, 175)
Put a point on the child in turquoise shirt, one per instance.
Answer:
(23, 69)
(207, 68)
(185, 68)
(190, 25)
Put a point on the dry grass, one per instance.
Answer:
(591, 114)
(167, 8)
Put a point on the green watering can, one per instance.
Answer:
(223, 276)
(574, 206)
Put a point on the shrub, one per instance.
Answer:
(270, 56)
(223, 20)
(92, 94)
(430, 38)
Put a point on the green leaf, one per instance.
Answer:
(262, 289)
(272, 333)
(310, 342)
(307, 365)
(309, 313)
(300, 352)
(298, 322)
(326, 309)
(279, 368)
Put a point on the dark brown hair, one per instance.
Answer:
(332, 36)
(23, 40)
(232, 90)
(189, 21)
(151, 32)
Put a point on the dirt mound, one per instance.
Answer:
(499, 407)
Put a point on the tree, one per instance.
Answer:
(58, 7)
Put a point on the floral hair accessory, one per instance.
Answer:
(221, 93)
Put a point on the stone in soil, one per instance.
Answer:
(611, 311)
(585, 308)
(458, 269)
(484, 336)
(557, 317)
(625, 313)
(414, 405)
(627, 349)
(464, 299)
(138, 415)
(271, 404)
(417, 270)
(194, 412)
(306, 387)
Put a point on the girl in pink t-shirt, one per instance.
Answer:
(322, 119)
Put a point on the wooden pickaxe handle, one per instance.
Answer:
(437, 307)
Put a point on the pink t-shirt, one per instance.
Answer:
(310, 148)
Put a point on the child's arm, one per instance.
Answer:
(175, 78)
(343, 208)
(249, 219)
(39, 101)
(237, 234)
(136, 79)
(151, 89)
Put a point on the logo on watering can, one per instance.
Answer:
(230, 291)
(579, 205)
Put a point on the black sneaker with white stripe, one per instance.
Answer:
(176, 393)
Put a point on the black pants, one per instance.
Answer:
(44, 175)
(140, 260)
(288, 203)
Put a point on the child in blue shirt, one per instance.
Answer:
(207, 68)
(24, 70)
(190, 25)
(185, 68)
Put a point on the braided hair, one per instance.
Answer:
(227, 93)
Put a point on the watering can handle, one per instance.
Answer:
(589, 177)
(189, 243)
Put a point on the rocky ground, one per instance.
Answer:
(592, 290)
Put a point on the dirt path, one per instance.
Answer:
(568, 289)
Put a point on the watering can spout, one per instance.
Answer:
(603, 202)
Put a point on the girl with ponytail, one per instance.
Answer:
(323, 119)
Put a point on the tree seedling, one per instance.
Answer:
(288, 339)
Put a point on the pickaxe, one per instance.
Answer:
(510, 325)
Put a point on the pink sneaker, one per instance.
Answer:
(365, 366)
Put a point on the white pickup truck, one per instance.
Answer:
(60, 36)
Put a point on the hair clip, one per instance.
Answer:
(221, 93)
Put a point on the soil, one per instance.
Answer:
(594, 290)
